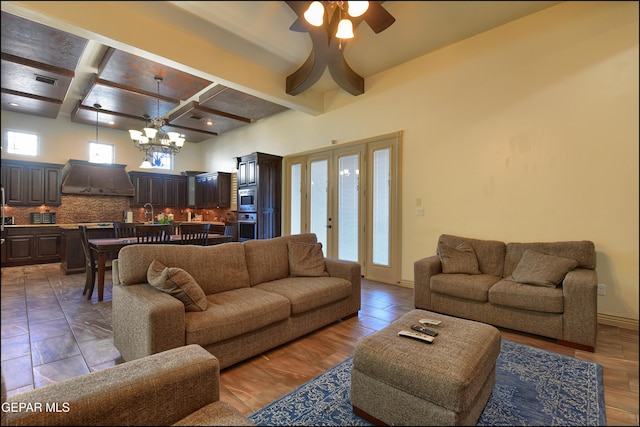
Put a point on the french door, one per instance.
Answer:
(349, 197)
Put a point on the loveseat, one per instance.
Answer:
(177, 387)
(249, 296)
(547, 289)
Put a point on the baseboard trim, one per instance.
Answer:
(619, 322)
(406, 283)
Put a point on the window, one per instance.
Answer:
(161, 160)
(100, 152)
(23, 143)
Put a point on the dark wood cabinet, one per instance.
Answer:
(213, 190)
(159, 189)
(191, 178)
(31, 183)
(71, 252)
(247, 175)
(264, 173)
(31, 245)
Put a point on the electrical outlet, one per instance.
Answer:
(602, 289)
(419, 211)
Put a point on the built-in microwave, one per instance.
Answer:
(247, 200)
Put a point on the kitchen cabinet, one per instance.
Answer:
(247, 170)
(72, 254)
(159, 189)
(191, 177)
(264, 172)
(213, 190)
(31, 183)
(31, 245)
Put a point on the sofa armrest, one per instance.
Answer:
(423, 270)
(160, 389)
(580, 319)
(146, 321)
(350, 271)
(115, 277)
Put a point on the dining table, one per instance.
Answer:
(102, 247)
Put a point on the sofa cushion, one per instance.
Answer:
(536, 268)
(509, 293)
(268, 259)
(583, 251)
(177, 283)
(306, 259)
(461, 259)
(216, 268)
(490, 253)
(233, 313)
(471, 287)
(307, 293)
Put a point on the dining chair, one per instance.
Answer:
(91, 262)
(124, 229)
(230, 230)
(153, 233)
(194, 234)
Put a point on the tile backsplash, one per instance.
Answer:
(76, 209)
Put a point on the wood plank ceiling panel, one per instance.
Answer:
(38, 66)
(242, 104)
(136, 72)
(31, 40)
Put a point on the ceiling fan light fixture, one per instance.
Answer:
(315, 14)
(357, 8)
(345, 29)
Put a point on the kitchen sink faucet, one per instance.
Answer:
(146, 212)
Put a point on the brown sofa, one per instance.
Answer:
(258, 294)
(176, 387)
(547, 289)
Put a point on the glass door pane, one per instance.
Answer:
(319, 199)
(296, 199)
(348, 207)
(381, 206)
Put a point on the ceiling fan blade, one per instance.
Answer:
(377, 17)
(299, 8)
(299, 26)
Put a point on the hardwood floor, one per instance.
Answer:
(50, 332)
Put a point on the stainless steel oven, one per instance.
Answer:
(247, 200)
(247, 226)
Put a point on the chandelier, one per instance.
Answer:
(153, 139)
(315, 14)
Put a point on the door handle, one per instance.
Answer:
(328, 226)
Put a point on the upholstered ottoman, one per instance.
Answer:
(401, 381)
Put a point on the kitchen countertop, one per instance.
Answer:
(72, 226)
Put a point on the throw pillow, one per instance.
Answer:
(306, 259)
(177, 283)
(461, 259)
(539, 269)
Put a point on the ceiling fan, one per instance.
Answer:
(327, 46)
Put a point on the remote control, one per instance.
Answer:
(429, 322)
(416, 336)
(424, 330)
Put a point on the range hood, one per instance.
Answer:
(94, 179)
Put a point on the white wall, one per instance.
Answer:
(61, 140)
(527, 132)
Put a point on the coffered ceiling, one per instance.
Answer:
(52, 68)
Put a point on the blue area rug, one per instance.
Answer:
(533, 388)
